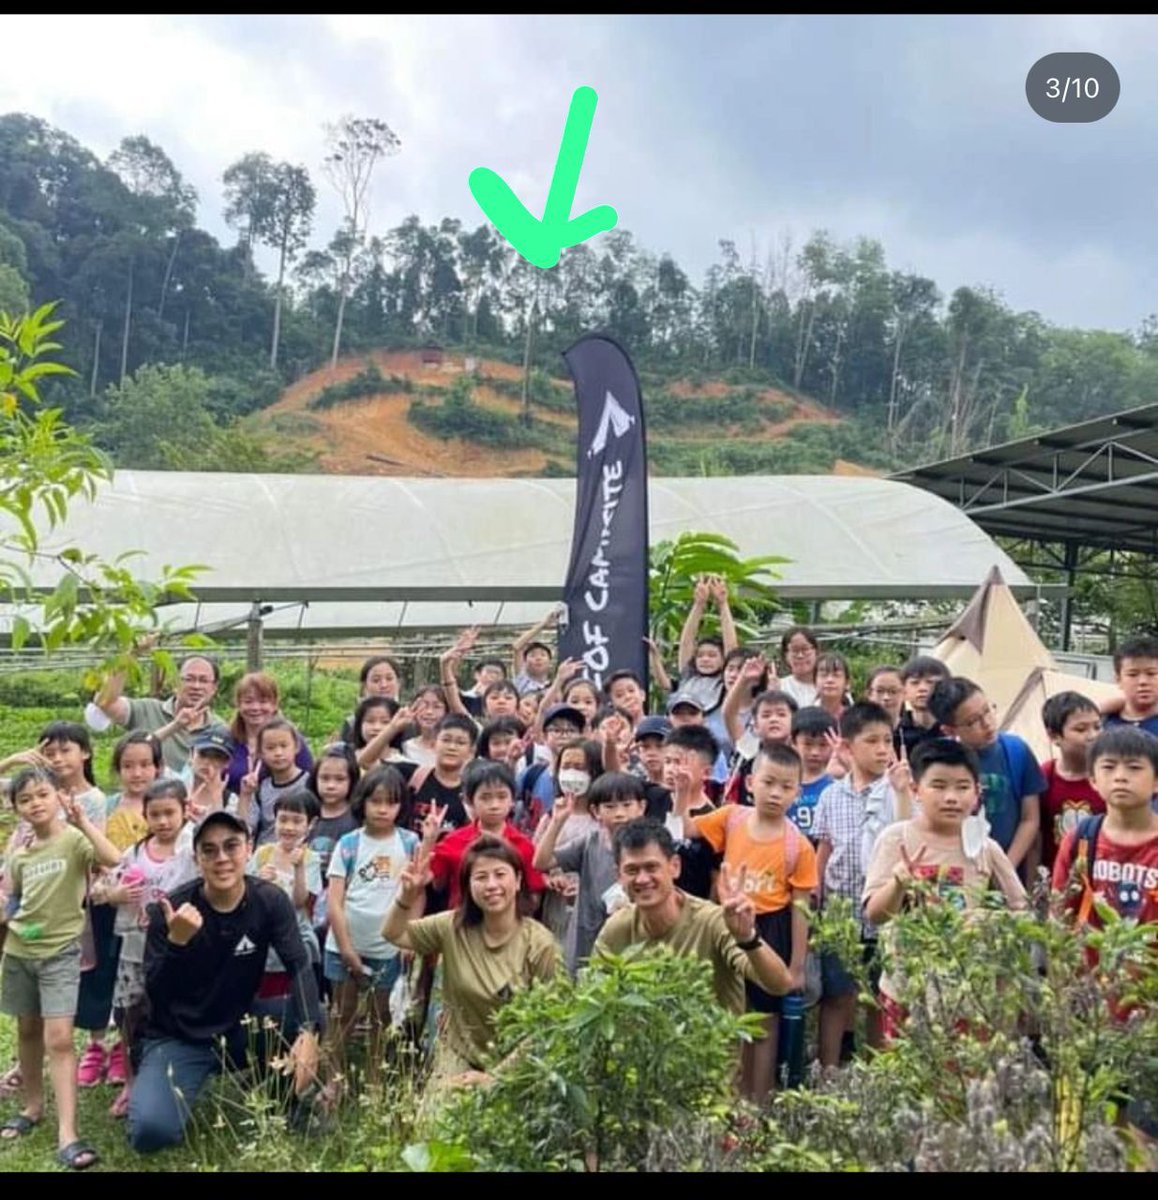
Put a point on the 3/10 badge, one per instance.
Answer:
(1072, 87)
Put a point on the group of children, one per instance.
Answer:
(813, 794)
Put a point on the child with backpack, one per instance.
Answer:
(1113, 858)
(780, 874)
(363, 881)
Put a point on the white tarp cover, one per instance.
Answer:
(846, 537)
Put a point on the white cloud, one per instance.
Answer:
(706, 127)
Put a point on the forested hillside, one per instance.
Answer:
(165, 323)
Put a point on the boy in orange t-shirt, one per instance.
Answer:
(779, 873)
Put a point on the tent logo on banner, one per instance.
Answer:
(615, 420)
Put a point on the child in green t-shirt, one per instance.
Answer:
(40, 969)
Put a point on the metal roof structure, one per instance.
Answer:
(374, 554)
(1087, 486)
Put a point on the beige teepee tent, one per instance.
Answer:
(993, 644)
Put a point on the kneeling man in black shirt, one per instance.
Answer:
(204, 960)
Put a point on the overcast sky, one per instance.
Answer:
(913, 130)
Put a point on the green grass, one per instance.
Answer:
(233, 1129)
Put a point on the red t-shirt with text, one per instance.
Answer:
(1125, 877)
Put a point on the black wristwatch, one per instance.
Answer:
(753, 943)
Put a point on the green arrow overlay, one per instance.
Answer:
(541, 242)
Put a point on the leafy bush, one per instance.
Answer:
(599, 1069)
(674, 567)
(744, 408)
(458, 416)
(368, 382)
(1009, 1060)
(293, 424)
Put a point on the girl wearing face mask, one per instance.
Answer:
(578, 764)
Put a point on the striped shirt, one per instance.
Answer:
(850, 821)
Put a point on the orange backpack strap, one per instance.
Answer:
(419, 778)
(1086, 849)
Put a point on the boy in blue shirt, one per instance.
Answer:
(812, 729)
(1136, 673)
(1011, 780)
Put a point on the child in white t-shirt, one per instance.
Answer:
(363, 880)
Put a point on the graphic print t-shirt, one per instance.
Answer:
(371, 867)
(1063, 804)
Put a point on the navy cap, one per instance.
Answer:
(653, 727)
(568, 712)
(213, 742)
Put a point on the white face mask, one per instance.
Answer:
(575, 782)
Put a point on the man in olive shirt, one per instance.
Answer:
(723, 935)
(197, 685)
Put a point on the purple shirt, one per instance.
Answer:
(239, 762)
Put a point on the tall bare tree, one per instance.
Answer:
(355, 146)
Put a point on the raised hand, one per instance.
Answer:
(28, 758)
(191, 716)
(413, 879)
(432, 824)
(568, 669)
(516, 750)
(73, 807)
(905, 871)
(718, 589)
(753, 670)
(563, 808)
(249, 784)
(613, 729)
(900, 774)
(403, 717)
(268, 872)
(702, 591)
(183, 923)
(739, 911)
(839, 764)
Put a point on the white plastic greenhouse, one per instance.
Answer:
(371, 554)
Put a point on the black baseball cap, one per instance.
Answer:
(568, 712)
(652, 727)
(220, 816)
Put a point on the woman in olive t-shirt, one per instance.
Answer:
(488, 951)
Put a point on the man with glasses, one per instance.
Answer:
(176, 721)
(205, 955)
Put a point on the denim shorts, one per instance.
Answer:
(837, 981)
(382, 973)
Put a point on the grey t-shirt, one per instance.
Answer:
(261, 815)
(708, 690)
(148, 714)
(594, 861)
